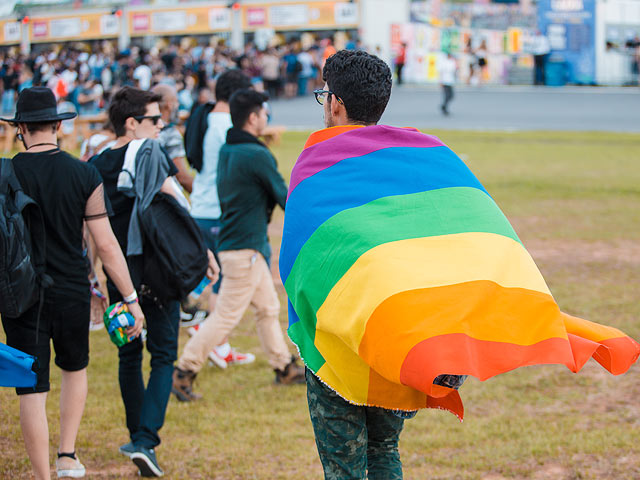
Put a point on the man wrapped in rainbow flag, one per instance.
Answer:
(403, 277)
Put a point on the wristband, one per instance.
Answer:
(97, 293)
(133, 298)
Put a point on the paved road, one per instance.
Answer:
(492, 108)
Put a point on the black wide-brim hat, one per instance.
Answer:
(38, 104)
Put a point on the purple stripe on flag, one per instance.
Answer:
(356, 143)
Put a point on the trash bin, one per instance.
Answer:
(556, 71)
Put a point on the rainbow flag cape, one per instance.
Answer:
(400, 267)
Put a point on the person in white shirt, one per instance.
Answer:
(448, 70)
(306, 73)
(540, 49)
(143, 75)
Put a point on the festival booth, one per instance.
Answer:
(617, 35)
(437, 28)
(592, 41)
(570, 27)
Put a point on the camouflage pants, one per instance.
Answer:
(352, 440)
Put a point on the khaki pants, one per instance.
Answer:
(246, 281)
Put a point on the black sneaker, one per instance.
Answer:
(145, 460)
(127, 449)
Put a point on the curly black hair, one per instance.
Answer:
(229, 82)
(362, 81)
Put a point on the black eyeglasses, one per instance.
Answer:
(154, 118)
(320, 96)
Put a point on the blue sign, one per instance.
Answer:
(570, 27)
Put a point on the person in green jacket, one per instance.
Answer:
(249, 187)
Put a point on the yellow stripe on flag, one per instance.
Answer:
(421, 263)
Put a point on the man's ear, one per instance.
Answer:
(252, 119)
(335, 106)
(130, 123)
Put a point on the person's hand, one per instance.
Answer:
(136, 311)
(98, 307)
(213, 272)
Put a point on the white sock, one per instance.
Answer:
(223, 350)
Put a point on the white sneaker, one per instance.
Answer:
(67, 467)
(217, 360)
(96, 326)
(188, 319)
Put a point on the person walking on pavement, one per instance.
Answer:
(400, 61)
(448, 71)
(540, 50)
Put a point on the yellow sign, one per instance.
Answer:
(178, 21)
(432, 67)
(300, 16)
(142, 21)
(10, 32)
(82, 26)
(514, 40)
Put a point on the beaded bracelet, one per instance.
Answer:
(97, 293)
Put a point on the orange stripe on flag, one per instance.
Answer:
(327, 133)
(481, 310)
(394, 396)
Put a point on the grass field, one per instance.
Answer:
(574, 199)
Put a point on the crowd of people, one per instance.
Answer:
(92, 213)
(86, 77)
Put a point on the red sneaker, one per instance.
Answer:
(237, 358)
(233, 357)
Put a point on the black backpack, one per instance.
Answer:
(194, 131)
(175, 256)
(22, 235)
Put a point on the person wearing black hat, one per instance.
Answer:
(69, 193)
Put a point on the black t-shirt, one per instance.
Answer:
(109, 163)
(61, 185)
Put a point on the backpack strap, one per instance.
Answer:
(9, 175)
(35, 224)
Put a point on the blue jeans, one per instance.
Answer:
(302, 85)
(353, 440)
(145, 408)
(210, 229)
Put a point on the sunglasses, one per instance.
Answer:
(154, 118)
(320, 96)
